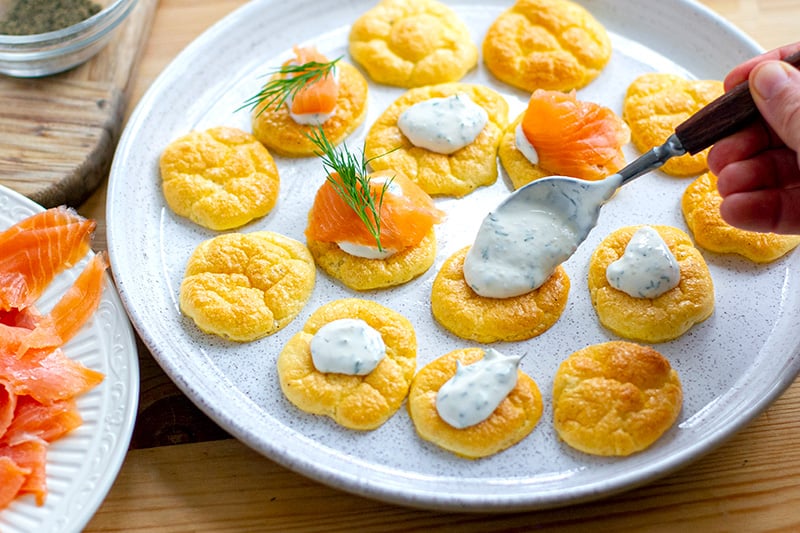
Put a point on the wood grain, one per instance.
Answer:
(58, 133)
(749, 484)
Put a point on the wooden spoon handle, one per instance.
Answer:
(726, 115)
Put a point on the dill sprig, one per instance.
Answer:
(289, 81)
(353, 183)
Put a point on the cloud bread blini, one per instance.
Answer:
(452, 174)
(220, 178)
(546, 44)
(343, 246)
(511, 421)
(244, 286)
(615, 398)
(700, 204)
(281, 128)
(466, 314)
(361, 402)
(652, 319)
(656, 103)
(411, 43)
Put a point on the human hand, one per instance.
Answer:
(758, 168)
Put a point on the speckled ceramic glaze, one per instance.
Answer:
(82, 466)
(732, 365)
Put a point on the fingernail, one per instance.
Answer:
(770, 78)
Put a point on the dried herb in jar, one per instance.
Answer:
(28, 17)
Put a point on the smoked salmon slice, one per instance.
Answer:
(574, 138)
(12, 477)
(318, 95)
(8, 404)
(80, 301)
(47, 375)
(34, 420)
(19, 337)
(30, 456)
(38, 381)
(406, 216)
(36, 249)
(29, 330)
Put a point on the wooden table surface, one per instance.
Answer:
(183, 473)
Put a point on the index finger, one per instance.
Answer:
(741, 72)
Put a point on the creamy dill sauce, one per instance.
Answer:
(516, 251)
(520, 244)
(647, 268)
(524, 145)
(368, 251)
(443, 125)
(475, 391)
(347, 346)
(312, 119)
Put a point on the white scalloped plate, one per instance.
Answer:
(732, 366)
(82, 466)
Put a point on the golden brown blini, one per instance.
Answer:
(243, 286)
(275, 127)
(363, 274)
(700, 204)
(455, 174)
(546, 44)
(411, 43)
(615, 398)
(470, 316)
(353, 401)
(656, 103)
(220, 178)
(658, 319)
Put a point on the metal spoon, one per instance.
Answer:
(575, 203)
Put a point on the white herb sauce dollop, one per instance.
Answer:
(443, 125)
(475, 391)
(647, 268)
(517, 250)
(347, 346)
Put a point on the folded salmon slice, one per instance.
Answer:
(34, 420)
(33, 251)
(320, 94)
(8, 404)
(30, 456)
(573, 137)
(407, 214)
(31, 333)
(12, 478)
(48, 376)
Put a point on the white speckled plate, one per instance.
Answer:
(82, 466)
(732, 366)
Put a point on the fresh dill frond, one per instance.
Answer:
(353, 183)
(287, 81)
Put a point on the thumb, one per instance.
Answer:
(775, 87)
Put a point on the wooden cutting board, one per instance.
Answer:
(58, 133)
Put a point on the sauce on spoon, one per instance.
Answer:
(520, 244)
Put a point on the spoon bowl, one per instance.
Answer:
(579, 201)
